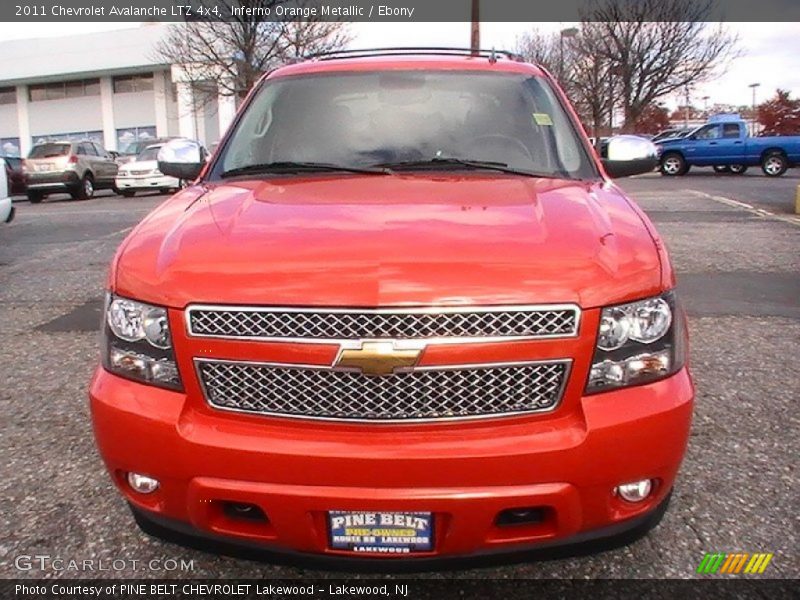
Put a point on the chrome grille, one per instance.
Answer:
(421, 394)
(344, 324)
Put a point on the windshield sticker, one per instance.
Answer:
(542, 119)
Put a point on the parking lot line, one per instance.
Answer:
(745, 206)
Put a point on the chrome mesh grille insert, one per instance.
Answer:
(320, 324)
(440, 393)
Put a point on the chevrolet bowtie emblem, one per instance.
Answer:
(377, 358)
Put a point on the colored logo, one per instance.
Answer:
(377, 358)
(734, 563)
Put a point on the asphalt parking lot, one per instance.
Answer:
(739, 273)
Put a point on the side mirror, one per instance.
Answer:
(182, 159)
(630, 155)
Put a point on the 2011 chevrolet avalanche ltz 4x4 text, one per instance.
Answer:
(402, 314)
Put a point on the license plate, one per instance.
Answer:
(47, 167)
(381, 532)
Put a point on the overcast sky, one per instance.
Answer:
(771, 51)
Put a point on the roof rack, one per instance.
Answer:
(492, 54)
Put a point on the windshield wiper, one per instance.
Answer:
(440, 161)
(301, 167)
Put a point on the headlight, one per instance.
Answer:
(644, 321)
(137, 343)
(639, 342)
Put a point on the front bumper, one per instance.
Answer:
(464, 473)
(147, 182)
(6, 210)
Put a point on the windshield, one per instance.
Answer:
(134, 148)
(409, 120)
(49, 150)
(149, 153)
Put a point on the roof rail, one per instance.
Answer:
(413, 51)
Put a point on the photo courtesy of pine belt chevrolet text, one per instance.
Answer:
(402, 314)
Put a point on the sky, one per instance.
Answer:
(770, 51)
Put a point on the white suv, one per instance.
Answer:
(6, 209)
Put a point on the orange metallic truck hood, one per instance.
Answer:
(408, 239)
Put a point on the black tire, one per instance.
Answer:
(722, 169)
(35, 197)
(164, 190)
(738, 169)
(774, 163)
(672, 165)
(85, 189)
(127, 193)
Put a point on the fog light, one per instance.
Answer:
(635, 491)
(142, 483)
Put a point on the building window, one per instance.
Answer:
(8, 95)
(75, 136)
(133, 83)
(132, 140)
(64, 89)
(9, 147)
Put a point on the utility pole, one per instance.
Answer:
(475, 37)
(753, 87)
(686, 108)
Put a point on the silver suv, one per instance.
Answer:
(78, 168)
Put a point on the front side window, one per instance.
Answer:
(710, 132)
(392, 118)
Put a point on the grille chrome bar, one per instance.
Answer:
(419, 395)
(336, 325)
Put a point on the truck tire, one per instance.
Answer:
(774, 163)
(35, 197)
(672, 165)
(738, 169)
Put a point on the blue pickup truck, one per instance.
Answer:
(723, 143)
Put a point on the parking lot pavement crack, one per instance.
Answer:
(694, 530)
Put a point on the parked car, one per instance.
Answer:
(724, 143)
(142, 174)
(15, 175)
(78, 168)
(132, 150)
(6, 207)
(676, 132)
(403, 313)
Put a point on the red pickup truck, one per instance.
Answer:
(403, 313)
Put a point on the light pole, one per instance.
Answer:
(753, 87)
(565, 33)
(705, 104)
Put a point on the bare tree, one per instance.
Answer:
(630, 53)
(657, 48)
(586, 77)
(234, 54)
(539, 48)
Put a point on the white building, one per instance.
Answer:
(108, 86)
